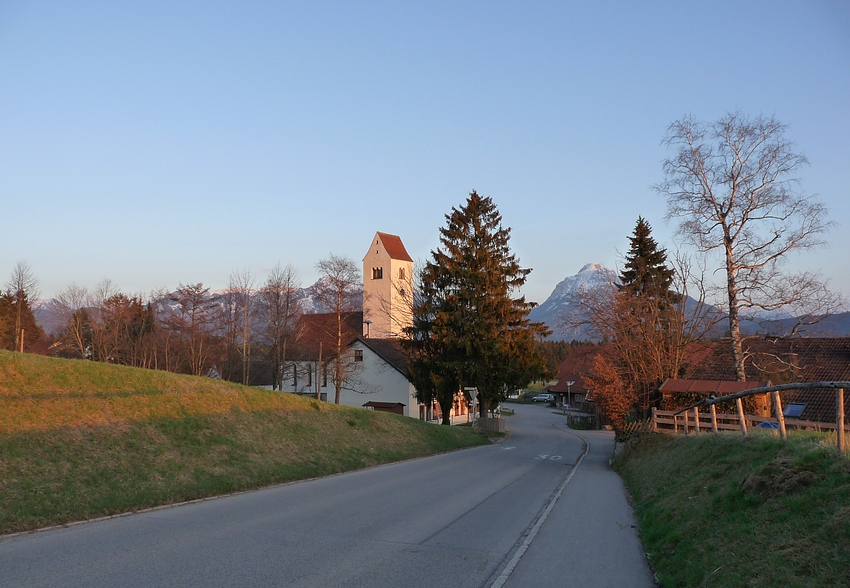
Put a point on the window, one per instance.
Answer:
(794, 410)
(309, 376)
(377, 273)
(325, 376)
(401, 273)
(358, 355)
(295, 375)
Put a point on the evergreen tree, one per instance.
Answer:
(468, 329)
(17, 320)
(645, 271)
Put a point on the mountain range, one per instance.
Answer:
(561, 303)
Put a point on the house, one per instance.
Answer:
(676, 393)
(781, 361)
(570, 390)
(309, 362)
(381, 381)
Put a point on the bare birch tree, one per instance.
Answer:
(732, 186)
(337, 292)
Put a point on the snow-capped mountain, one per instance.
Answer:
(561, 300)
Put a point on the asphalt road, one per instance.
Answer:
(518, 513)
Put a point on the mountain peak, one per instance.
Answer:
(561, 300)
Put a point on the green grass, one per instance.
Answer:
(80, 440)
(719, 510)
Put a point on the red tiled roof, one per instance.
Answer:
(574, 366)
(394, 246)
(716, 387)
(317, 328)
(803, 359)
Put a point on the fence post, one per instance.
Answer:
(696, 420)
(654, 420)
(777, 406)
(839, 419)
(685, 414)
(713, 418)
(741, 417)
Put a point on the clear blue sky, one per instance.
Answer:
(155, 143)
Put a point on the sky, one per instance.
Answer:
(160, 143)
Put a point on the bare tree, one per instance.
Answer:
(241, 290)
(280, 311)
(192, 322)
(99, 300)
(337, 291)
(23, 289)
(732, 185)
(72, 308)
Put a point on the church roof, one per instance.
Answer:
(394, 246)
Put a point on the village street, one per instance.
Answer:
(508, 514)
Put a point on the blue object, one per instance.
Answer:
(767, 425)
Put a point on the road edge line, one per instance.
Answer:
(508, 570)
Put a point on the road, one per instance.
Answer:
(509, 514)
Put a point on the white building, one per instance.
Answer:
(376, 374)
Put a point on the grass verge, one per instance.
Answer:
(80, 440)
(719, 510)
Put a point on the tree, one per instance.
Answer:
(21, 289)
(468, 329)
(731, 183)
(239, 310)
(337, 291)
(72, 307)
(280, 311)
(192, 322)
(645, 271)
(644, 322)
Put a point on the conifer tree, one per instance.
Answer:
(645, 271)
(468, 328)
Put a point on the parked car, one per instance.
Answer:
(544, 398)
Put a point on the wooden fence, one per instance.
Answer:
(671, 421)
(691, 419)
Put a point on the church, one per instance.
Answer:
(375, 372)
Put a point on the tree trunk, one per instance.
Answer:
(734, 319)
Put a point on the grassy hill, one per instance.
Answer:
(719, 510)
(80, 439)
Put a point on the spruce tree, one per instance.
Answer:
(469, 329)
(645, 271)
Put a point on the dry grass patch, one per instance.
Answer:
(119, 439)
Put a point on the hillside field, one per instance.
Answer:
(80, 440)
(723, 511)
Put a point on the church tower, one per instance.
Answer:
(387, 288)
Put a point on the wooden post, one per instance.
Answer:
(741, 417)
(713, 418)
(22, 340)
(696, 420)
(654, 420)
(685, 414)
(777, 406)
(839, 419)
